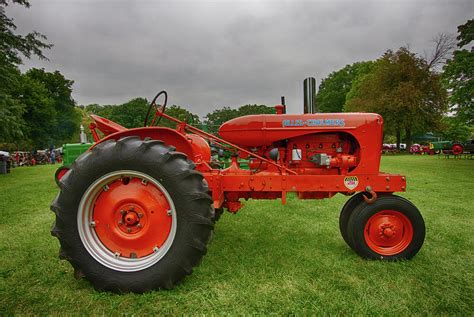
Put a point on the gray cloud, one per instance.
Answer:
(209, 54)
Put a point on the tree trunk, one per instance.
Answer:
(408, 137)
(398, 139)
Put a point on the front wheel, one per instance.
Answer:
(391, 228)
(133, 215)
(345, 214)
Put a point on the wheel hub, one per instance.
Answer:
(388, 232)
(131, 218)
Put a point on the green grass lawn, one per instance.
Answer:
(266, 259)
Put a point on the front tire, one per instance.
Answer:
(346, 212)
(391, 228)
(133, 215)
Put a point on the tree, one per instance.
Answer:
(180, 114)
(12, 47)
(59, 90)
(254, 109)
(215, 119)
(132, 113)
(11, 110)
(456, 130)
(458, 76)
(443, 46)
(331, 95)
(404, 91)
(40, 113)
(11, 119)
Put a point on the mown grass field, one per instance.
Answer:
(266, 259)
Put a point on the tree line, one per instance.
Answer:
(413, 93)
(36, 107)
(132, 113)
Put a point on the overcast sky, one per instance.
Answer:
(209, 54)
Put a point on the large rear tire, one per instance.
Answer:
(133, 216)
(391, 228)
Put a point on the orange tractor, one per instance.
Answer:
(136, 211)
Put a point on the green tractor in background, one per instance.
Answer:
(452, 147)
(70, 152)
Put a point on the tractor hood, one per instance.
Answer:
(265, 129)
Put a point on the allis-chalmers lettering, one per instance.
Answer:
(313, 123)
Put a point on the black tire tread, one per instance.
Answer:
(176, 173)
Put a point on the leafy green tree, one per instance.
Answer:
(180, 114)
(332, 92)
(458, 75)
(11, 110)
(215, 119)
(12, 47)
(40, 114)
(404, 91)
(59, 90)
(11, 119)
(254, 109)
(456, 129)
(132, 113)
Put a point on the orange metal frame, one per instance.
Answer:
(229, 185)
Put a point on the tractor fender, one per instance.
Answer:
(170, 136)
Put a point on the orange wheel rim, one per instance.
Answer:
(132, 217)
(127, 220)
(388, 232)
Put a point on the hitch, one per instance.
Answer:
(373, 195)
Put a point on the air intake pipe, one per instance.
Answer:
(309, 85)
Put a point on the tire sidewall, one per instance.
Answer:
(345, 214)
(129, 155)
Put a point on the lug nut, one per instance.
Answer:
(92, 224)
(129, 230)
(169, 212)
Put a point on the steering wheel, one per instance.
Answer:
(158, 109)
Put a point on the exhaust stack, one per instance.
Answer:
(310, 95)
